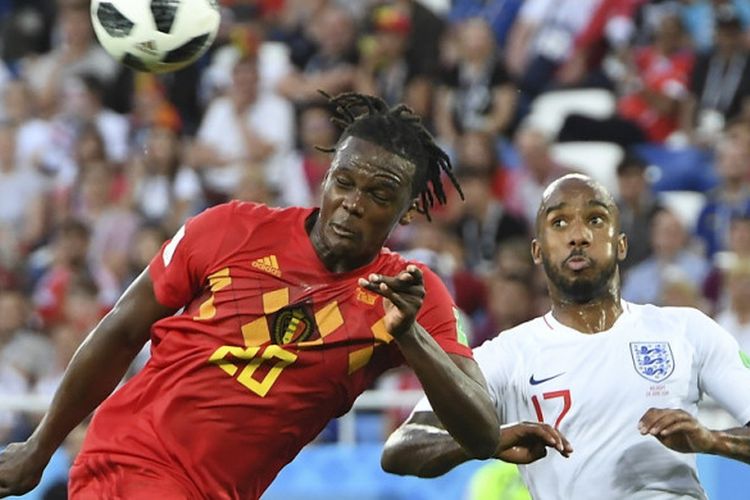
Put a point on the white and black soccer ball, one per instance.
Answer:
(155, 35)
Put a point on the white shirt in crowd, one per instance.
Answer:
(729, 320)
(596, 387)
(271, 117)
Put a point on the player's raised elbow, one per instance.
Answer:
(401, 455)
(398, 460)
(395, 458)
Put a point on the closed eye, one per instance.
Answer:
(343, 182)
(381, 196)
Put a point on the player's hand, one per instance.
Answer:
(403, 296)
(20, 469)
(526, 442)
(678, 430)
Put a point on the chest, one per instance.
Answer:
(591, 383)
(259, 315)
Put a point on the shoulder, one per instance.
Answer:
(685, 321)
(519, 338)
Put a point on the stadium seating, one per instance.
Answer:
(597, 159)
(549, 110)
(686, 205)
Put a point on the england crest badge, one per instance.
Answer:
(652, 360)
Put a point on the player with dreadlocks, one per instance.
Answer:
(266, 323)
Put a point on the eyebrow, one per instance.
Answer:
(595, 203)
(598, 203)
(554, 207)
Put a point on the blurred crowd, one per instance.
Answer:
(100, 164)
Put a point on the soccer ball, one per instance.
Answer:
(155, 35)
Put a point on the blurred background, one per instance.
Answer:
(99, 165)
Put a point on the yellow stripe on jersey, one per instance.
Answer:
(256, 332)
(380, 333)
(275, 300)
(329, 318)
(359, 358)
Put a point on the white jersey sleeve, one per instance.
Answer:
(496, 362)
(723, 371)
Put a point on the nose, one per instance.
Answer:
(353, 203)
(579, 235)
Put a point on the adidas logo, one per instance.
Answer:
(149, 46)
(268, 264)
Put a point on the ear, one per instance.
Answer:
(622, 247)
(409, 215)
(536, 251)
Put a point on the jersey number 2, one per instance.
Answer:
(564, 394)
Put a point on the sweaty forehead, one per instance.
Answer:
(356, 153)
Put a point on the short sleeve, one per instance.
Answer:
(495, 366)
(440, 317)
(178, 270)
(724, 371)
(496, 362)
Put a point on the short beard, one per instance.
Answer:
(580, 290)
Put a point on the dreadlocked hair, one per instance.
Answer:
(400, 131)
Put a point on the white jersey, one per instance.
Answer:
(595, 388)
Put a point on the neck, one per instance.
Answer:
(595, 316)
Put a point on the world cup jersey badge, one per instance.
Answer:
(652, 360)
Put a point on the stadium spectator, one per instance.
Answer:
(509, 303)
(732, 165)
(609, 32)
(307, 162)
(499, 14)
(21, 344)
(57, 267)
(738, 249)
(22, 192)
(719, 83)
(671, 259)
(476, 94)
(735, 318)
(543, 38)
(637, 205)
(559, 369)
(161, 188)
(384, 68)
(75, 53)
(291, 278)
(221, 151)
(650, 92)
(537, 169)
(332, 65)
(483, 222)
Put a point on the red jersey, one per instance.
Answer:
(268, 347)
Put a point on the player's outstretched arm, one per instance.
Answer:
(454, 385)
(680, 431)
(421, 447)
(97, 367)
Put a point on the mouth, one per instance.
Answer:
(577, 263)
(342, 231)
